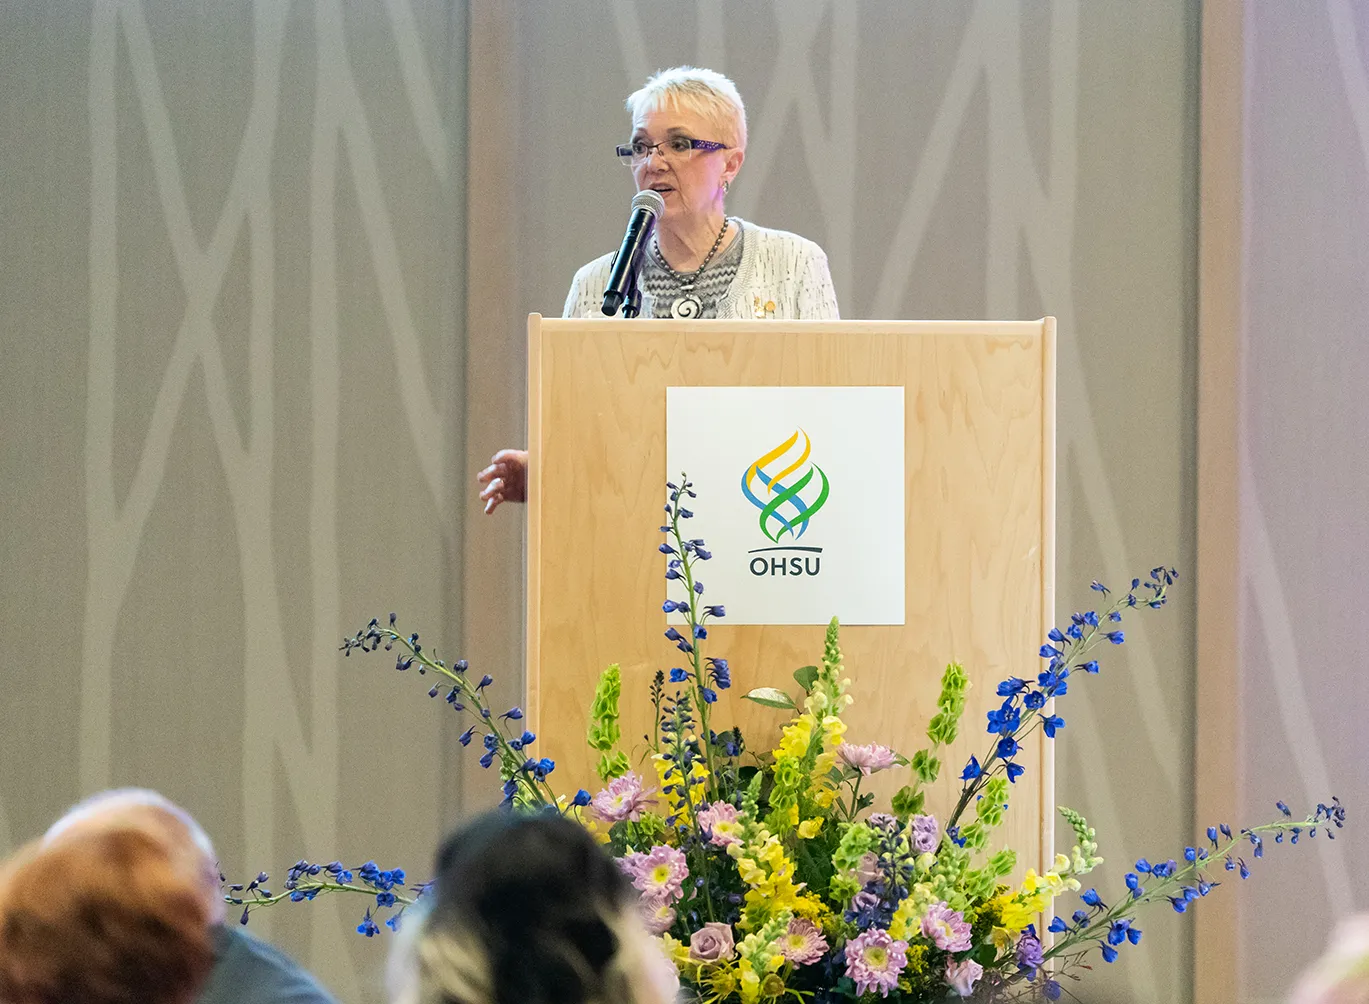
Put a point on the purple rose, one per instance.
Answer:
(712, 943)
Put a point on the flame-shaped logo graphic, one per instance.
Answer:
(784, 505)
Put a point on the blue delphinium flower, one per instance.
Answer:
(1005, 719)
(367, 926)
(582, 798)
(720, 672)
(1050, 723)
(678, 675)
(1014, 770)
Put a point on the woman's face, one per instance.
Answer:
(691, 183)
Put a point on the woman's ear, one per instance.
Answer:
(732, 164)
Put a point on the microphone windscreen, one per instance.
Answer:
(650, 201)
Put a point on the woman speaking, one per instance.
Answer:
(688, 143)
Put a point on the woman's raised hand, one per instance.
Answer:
(505, 480)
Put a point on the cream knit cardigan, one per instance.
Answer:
(781, 275)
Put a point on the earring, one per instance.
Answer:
(725, 183)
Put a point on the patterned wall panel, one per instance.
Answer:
(229, 438)
(1304, 485)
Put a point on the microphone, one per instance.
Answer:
(622, 279)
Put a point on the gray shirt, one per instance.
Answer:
(249, 971)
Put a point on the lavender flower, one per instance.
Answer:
(874, 960)
(925, 834)
(1029, 956)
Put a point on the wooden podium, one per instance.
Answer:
(979, 509)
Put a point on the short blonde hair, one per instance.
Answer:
(706, 92)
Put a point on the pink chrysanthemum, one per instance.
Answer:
(961, 976)
(657, 915)
(803, 943)
(867, 759)
(946, 928)
(719, 821)
(874, 960)
(623, 799)
(659, 874)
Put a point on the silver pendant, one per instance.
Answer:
(686, 306)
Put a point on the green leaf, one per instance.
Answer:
(908, 802)
(772, 697)
(985, 955)
(806, 676)
(926, 766)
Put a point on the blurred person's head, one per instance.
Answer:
(110, 916)
(147, 811)
(528, 910)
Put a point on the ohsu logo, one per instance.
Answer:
(789, 490)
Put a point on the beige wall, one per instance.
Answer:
(230, 302)
(1295, 547)
(263, 317)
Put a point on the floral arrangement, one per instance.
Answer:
(764, 874)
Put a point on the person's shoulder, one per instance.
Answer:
(596, 271)
(248, 970)
(768, 240)
(587, 287)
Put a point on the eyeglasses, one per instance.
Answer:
(674, 149)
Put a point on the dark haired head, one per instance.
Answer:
(527, 910)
